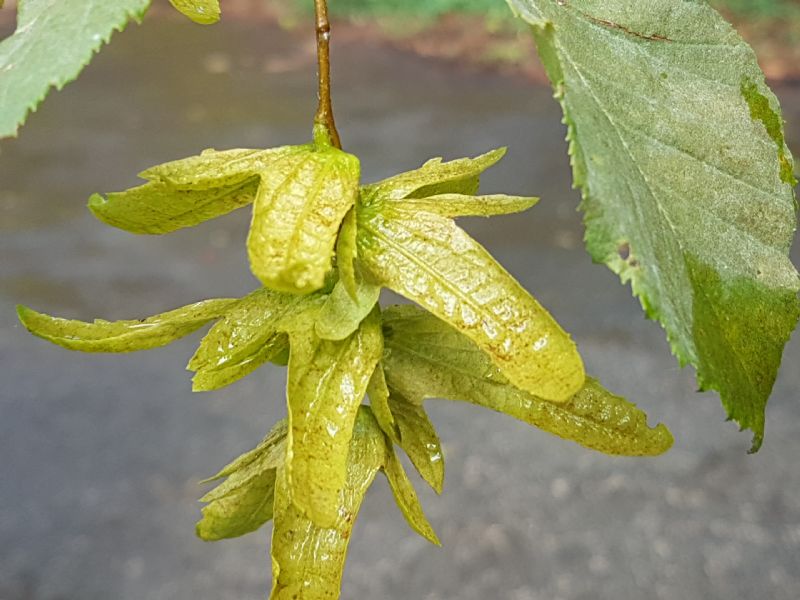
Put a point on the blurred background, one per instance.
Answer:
(102, 454)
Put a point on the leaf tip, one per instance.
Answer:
(96, 204)
(24, 313)
(665, 439)
(494, 156)
(204, 532)
(758, 439)
(531, 201)
(433, 538)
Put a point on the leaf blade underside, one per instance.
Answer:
(678, 146)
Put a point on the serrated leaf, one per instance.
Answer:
(426, 358)
(124, 336)
(419, 440)
(460, 176)
(157, 208)
(379, 403)
(244, 502)
(430, 260)
(54, 40)
(464, 205)
(297, 213)
(205, 12)
(308, 560)
(341, 314)
(406, 497)
(678, 146)
(327, 381)
(250, 334)
(347, 252)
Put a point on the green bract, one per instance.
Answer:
(485, 340)
(123, 336)
(341, 313)
(678, 146)
(327, 382)
(307, 559)
(249, 335)
(297, 214)
(300, 196)
(407, 242)
(426, 358)
(244, 502)
(419, 440)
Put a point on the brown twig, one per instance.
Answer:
(325, 111)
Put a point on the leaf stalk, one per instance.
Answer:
(324, 114)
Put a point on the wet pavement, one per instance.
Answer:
(101, 454)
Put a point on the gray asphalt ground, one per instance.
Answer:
(101, 455)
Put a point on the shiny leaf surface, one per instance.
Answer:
(308, 560)
(212, 169)
(463, 205)
(249, 335)
(297, 213)
(406, 497)
(430, 260)
(123, 336)
(419, 440)
(426, 358)
(327, 381)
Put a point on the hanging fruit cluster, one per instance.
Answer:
(323, 247)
